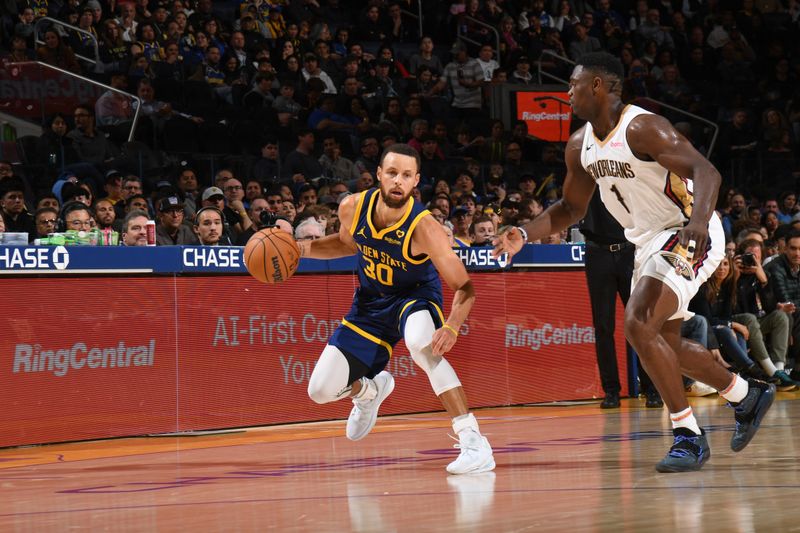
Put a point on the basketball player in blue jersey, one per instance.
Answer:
(400, 248)
(642, 167)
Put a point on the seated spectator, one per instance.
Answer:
(45, 219)
(187, 187)
(258, 206)
(716, 301)
(309, 229)
(12, 203)
(20, 52)
(301, 160)
(266, 169)
(370, 154)
(759, 311)
(134, 229)
(461, 220)
(90, 144)
(425, 57)
(285, 105)
(57, 53)
(104, 215)
(208, 226)
(311, 69)
(171, 230)
(137, 202)
(784, 275)
(334, 165)
(482, 231)
(55, 147)
(235, 213)
(77, 216)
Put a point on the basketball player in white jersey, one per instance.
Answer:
(645, 171)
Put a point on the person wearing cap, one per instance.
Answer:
(311, 69)
(214, 197)
(461, 220)
(522, 72)
(465, 78)
(171, 230)
(113, 186)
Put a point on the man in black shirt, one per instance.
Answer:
(12, 204)
(609, 267)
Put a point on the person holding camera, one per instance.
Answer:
(759, 311)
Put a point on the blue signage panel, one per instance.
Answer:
(229, 259)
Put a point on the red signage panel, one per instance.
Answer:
(91, 358)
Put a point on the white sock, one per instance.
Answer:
(736, 391)
(368, 390)
(685, 419)
(768, 366)
(780, 365)
(467, 421)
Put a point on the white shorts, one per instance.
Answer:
(683, 279)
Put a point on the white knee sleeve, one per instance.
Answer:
(418, 334)
(328, 381)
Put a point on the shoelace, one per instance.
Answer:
(684, 446)
(468, 447)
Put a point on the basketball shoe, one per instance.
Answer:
(750, 411)
(476, 453)
(688, 453)
(365, 411)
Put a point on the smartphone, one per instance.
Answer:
(748, 259)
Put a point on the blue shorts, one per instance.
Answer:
(372, 327)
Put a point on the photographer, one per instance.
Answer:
(758, 309)
(262, 217)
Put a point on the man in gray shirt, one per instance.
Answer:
(465, 78)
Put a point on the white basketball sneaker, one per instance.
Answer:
(365, 412)
(476, 453)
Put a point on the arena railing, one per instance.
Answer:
(460, 35)
(52, 90)
(49, 22)
(544, 74)
(417, 16)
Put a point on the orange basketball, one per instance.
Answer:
(271, 255)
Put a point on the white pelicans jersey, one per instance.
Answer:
(643, 196)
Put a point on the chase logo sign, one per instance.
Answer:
(60, 258)
(478, 257)
(33, 258)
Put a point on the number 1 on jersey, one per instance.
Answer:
(619, 197)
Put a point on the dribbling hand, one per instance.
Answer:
(509, 242)
(697, 234)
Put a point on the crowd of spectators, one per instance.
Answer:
(303, 95)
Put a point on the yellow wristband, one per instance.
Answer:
(447, 326)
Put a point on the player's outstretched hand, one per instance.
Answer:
(443, 340)
(509, 242)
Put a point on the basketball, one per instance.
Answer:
(271, 255)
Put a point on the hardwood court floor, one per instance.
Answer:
(558, 469)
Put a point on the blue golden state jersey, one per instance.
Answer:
(385, 264)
